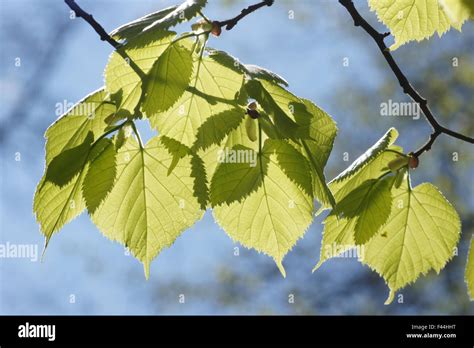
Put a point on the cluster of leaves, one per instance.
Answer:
(233, 139)
(401, 231)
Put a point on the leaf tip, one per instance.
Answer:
(146, 268)
(315, 268)
(390, 297)
(281, 268)
(46, 242)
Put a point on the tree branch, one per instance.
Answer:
(103, 35)
(92, 22)
(408, 89)
(230, 23)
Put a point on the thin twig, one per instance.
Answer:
(103, 35)
(408, 89)
(230, 23)
(92, 22)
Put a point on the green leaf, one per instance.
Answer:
(322, 132)
(410, 20)
(100, 176)
(68, 163)
(252, 71)
(122, 135)
(184, 12)
(58, 197)
(357, 190)
(54, 205)
(198, 168)
(239, 136)
(217, 127)
(401, 232)
(237, 176)
(292, 162)
(213, 90)
(211, 154)
(90, 115)
(147, 209)
(121, 80)
(356, 218)
(374, 211)
(227, 60)
(312, 130)
(279, 112)
(469, 276)
(175, 148)
(198, 173)
(257, 72)
(278, 211)
(131, 29)
(420, 234)
(168, 79)
(370, 165)
(458, 11)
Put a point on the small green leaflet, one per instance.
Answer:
(121, 80)
(252, 71)
(469, 276)
(370, 165)
(277, 210)
(184, 12)
(159, 20)
(410, 20)
(257, 72)
(147, 209)
(129, 30)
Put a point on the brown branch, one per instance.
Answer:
(230, 23)
(92, 22)
(408, 89)
(80, 13)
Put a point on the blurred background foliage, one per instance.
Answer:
(306, 42)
